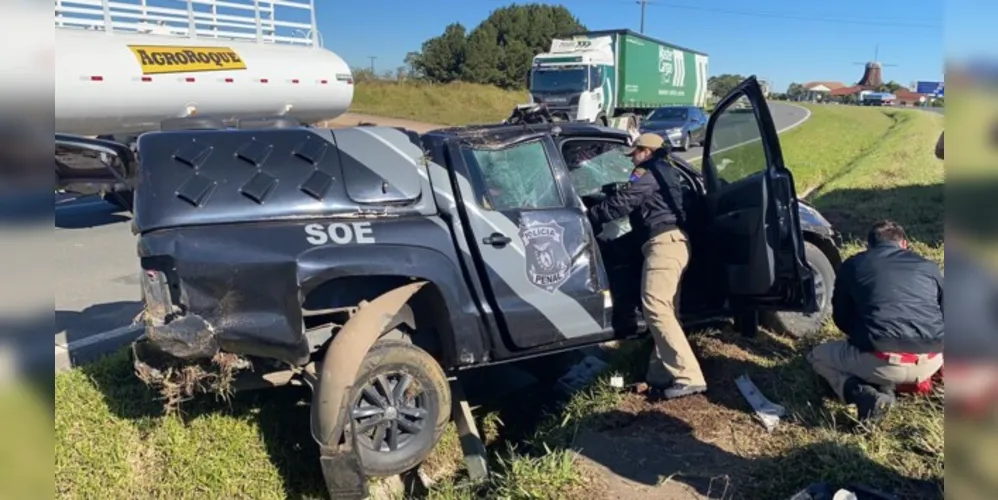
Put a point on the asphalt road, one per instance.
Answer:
(96, 267)
(784, 116)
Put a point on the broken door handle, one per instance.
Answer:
(497, 240)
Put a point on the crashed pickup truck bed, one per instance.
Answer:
(240, 229)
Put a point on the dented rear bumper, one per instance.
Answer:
(169, 329)
(187, 337)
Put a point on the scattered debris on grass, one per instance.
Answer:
(179, 381)
(769, 413)
(581, 374)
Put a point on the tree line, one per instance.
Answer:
(496, 52)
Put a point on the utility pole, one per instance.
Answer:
(372, 58)
(642, 3)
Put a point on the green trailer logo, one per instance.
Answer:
(672, 66)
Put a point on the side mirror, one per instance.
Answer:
(84, 162)
(939, 146)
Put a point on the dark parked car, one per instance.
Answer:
(682, 126)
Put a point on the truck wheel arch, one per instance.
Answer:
(342, 359)
(827, 247)
(423, 319)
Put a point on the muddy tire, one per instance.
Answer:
(802, 325)
(400, 405)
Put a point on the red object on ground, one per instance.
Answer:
(921, 389)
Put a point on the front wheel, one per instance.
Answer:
(800, 325)
(685, 146)
(400, 406)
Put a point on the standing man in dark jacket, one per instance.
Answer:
(653, 201)
(888, 301)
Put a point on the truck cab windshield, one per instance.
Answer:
(573, 79)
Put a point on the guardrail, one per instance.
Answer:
(262, 21)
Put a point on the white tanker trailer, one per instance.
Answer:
(124, 67)
(125, 84)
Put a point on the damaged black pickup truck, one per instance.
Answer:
(373, 263)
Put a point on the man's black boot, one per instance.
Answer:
(870, 402)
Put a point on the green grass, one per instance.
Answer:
(898, 179)
(26, 441)
(452, 104)
(833, 138)
(111, 440)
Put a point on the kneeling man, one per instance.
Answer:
(888, 301)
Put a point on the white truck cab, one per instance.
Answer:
(575, 79)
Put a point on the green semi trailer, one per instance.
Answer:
(597, 76)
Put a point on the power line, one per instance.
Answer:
(789, 16)
(799, 17)
(372, 58)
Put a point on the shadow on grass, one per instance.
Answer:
(779, 370)
(281, 415)
(840, 466)
(653, 449)
(918, 208)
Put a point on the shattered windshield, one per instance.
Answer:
(514, 177)
(595, 164)
(559, 80)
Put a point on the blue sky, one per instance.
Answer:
(781, 40)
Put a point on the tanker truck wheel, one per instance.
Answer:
(400, 405)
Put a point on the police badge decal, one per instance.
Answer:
(547, 259)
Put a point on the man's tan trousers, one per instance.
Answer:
(666, 258)
(838, 360)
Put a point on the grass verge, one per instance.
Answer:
(824, 147)
(452, 104)
(112, 441)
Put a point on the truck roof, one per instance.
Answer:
(637, 35)
(501, 132)
(200, 177)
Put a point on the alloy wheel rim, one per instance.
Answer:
(390, 412)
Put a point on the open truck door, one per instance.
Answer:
(754, 230)
(89, 166)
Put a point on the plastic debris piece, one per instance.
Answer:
(767, 411)
(581, 374)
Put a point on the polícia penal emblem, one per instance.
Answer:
(548, 262)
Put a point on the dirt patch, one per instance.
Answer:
(703, 446)
(655, 457)
(354, 119)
